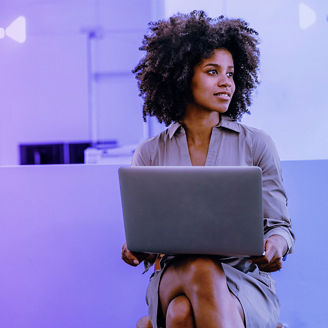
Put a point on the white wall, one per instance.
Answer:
(290, 103)
(43, 82)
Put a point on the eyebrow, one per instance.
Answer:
(216, 65)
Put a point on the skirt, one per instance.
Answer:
(255, 291)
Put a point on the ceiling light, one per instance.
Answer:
(16, 30)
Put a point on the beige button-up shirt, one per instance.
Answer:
(231, 144)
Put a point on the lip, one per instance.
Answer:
(222, 94)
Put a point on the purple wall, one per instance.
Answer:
(61, 233)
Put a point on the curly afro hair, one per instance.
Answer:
(174, 47)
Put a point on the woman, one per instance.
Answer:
(199, 73)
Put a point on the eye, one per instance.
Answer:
(230, 74)
(212, 72)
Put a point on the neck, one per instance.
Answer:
(199, 124)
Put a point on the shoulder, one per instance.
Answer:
(255, 134)
(258, 137)
(263, 146)
(146, 150)
(246, 132)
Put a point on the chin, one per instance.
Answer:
(221, 110)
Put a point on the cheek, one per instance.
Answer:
(198, 88)
(233, 88)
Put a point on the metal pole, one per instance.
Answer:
(93, 135)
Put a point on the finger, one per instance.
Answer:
(269, 251)
(276, 263)
(130, 261)
(265, 259)
(267, 256)
(271, 267)
(261, 260)
(129, 257)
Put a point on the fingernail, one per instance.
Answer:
(135, 261)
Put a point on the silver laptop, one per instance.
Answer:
(193, 210)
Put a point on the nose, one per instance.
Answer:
(224, 81)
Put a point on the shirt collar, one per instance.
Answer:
(173, 129)
(225, 122)
(229, 123)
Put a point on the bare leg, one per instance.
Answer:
(179, 313)
(204, 284)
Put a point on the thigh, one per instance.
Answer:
(170, 286)
(258, 300)
(184, 274)
(179, 279)
(239, 307)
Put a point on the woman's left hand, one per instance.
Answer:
(275, 248)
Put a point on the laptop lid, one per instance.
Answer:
(193, 210)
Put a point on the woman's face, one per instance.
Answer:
(212, 83)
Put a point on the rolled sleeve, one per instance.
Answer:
(276, 217)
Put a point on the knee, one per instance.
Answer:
(179, 312)
(204, 270)
(203, 277)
